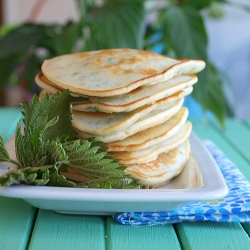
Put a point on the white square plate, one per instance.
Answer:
(112, 201)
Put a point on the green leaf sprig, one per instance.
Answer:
(45, 147)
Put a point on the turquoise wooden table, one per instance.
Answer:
(25, 227)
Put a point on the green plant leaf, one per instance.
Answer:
(8, 65)
(36, 176)
(32, 66)
(110, 182)
(37, 113)
(91, 159)
(18, 56)
(29, 176)
(64, 41)
(116, 24)
(47, 123)
(4, 155)
(45, 147)
(21, 39)
(210, 93)
(58, 180)
(31, 150)
(198, 4)
(184, 31)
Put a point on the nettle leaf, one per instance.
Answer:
(32, 151)
(184, 30)
(110, 183)
(47, 124)
(92, 161)
(29, 176)
(4, 155)
(116, 24)
(58, 180)
(89, 160)
(36, 176)
(37, 112)
(45, 147)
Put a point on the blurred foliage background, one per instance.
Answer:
(171, 27)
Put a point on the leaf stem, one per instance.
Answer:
(15, 163)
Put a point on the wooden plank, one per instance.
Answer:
(239, 136)
(210, 132)
(16, 223)
(246, 226)
(64, 232)
(140, 238)
(187, 233)
(211, 235)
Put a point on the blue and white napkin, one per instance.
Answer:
(235, 207)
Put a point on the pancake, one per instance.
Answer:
(133, 106)
(164, 168)
(114, 72)
(151, 153)
(99, 123)
(42, 94)
(152, 136)
(175, 88)
(155, 117)
(190, 176)
(45, 84)
(139, 97)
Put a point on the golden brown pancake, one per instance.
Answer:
(151, 153)
(152, 136)
(114, 72)
(102, 124)
(153, 118)
(180, 86)
(134, 106)
(161, 170)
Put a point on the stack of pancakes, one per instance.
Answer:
(135, 106)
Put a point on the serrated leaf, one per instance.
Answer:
(111, 183)
(59, 180)
(93, 161)
(4, 155)
(37, 148)
(59, 105)
(43, 153)
(40, 141)
(29, 176)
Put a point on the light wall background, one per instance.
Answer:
(51, 10)
(229, 41)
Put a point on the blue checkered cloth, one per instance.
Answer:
(235, 207)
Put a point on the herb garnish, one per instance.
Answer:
(45, 146)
